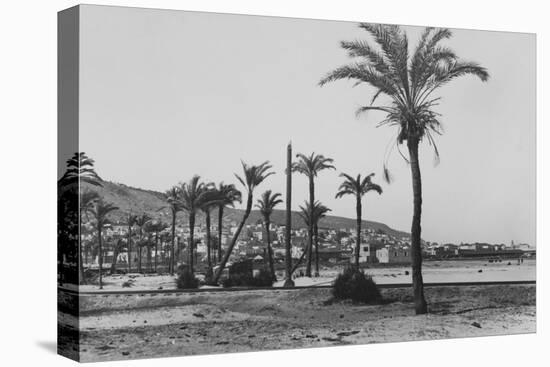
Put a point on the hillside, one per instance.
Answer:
(140, 201)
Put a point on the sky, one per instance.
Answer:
(166, 94)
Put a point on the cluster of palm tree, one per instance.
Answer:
(408, 83)
(197, 196)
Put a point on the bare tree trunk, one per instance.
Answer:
(234, 239)
(358, 245)
(172, 252)
(288, 255)
(220, 224)
(416, 250)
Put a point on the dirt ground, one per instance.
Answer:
(145, 326)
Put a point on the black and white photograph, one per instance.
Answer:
(236, 183)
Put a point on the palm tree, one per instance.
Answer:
(173, 200)
(409, 82)
(357, 187)
(212, 198)
(310, 166)
(118, 244)
(87, 202)
(130, 221)
(142, 221)
(311, 214)
(266, 205)
(192, 197)
(229, 195)
(253, 176)
(100, 212)
(320, 211)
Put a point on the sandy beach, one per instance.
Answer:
(433, 272)
(142, 326)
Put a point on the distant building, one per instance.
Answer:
(389, 255)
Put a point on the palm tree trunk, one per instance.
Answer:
(208, 255)
(269, 251)
(115, 256)
(100, 256)
(358, 245)
(191, 241)
(288, 255)
(310, 229)
(220, 223)
(172, 251)
(234, 239)
(129, 247)
(416, 250)
(156, 249)
(316, 234)
(140, 244)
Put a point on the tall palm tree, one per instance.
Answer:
(130, 222)
(173, 200)
(409, 82)
(100, 212)
(230, 196)
(253, 176)
(357, 187)
(310, 166)
(87, 202)
(311, 214)
(141, 221)
(192, 197)
(266, 205)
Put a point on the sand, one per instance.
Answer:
(433, 272)
(140, 326)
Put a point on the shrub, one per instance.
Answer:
(186, 280)
(263, 279)
(355, 285)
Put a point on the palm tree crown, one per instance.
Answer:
(229, 194)
(311, 165)
(100, 212)
(267, 203)
(357, 186)
(254, 175)
(312, 214)
(409, 81)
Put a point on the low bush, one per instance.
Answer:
(186, 280)
(262, 279)
(355, 285)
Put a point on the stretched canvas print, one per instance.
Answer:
(232, 183)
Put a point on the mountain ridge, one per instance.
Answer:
(142, 201)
